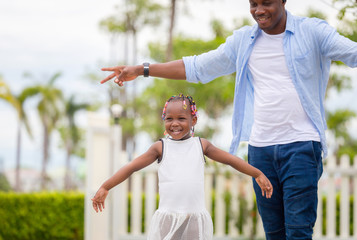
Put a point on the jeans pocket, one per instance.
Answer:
(317, 151)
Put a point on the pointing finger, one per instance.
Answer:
(107, 78)
(108, 69)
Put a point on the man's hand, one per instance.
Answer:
(122, 74)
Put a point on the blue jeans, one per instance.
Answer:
(294, 170)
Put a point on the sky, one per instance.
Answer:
(43, 37)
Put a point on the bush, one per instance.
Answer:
(40, 216)
(4, 183)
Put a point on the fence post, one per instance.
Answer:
(97, 225)
(136, 203)
(260, 228)
(150, 199)
(234, 185)
(344, 199)
(248, 194)
(122, 198)
(331, 198)
(219, 209)
(117, 162)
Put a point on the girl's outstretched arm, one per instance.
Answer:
(239, 164)
(123, 173)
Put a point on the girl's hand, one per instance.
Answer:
(99, 198)
(265, 185)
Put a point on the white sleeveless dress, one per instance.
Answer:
(181, 214)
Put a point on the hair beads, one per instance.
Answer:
(184, 105)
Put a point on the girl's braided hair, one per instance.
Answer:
(184, 100)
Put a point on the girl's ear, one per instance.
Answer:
(194, 120)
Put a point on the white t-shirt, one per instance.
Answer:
(279, 117)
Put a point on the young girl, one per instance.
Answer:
(181, 214)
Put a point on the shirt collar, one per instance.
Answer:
(290, 26)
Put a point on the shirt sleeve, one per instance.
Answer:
(335, 46)
(210, 65)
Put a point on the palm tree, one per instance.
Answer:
(17, 102)
(171, 29)
(71, 135)
(137, 14)
(173, 9)
(133, 17)
(49, 110)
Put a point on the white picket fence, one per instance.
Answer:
(114, 223)
(240, 188)
(338, 179)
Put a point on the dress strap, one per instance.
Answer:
(204, 157)
(162, 152)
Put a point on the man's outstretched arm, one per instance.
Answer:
(172, 70)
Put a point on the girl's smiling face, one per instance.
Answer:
(179, 121)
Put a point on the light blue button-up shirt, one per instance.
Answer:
(310, 45)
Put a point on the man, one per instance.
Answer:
(282, 68)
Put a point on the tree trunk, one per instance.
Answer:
(112, 55)
(18, 157)
(67, 177)
(45, 158)
(135, 56)
(171, 28)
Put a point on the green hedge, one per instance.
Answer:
(40, 216)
